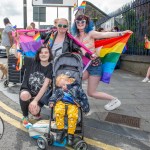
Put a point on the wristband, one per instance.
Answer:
(87, 55)
(120, 34)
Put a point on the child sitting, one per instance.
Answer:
(70, 95)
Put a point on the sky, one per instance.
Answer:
(14, 10)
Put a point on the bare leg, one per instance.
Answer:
(148, 73)
(93, 82)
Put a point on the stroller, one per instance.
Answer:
(71, 65)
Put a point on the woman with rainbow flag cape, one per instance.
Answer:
(147, 46)
(59, 41)
(103, 54)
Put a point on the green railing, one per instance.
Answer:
(134, 16)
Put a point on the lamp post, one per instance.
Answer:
(25, 13)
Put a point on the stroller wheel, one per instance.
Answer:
(50, 138)
(81, 145)
(6, 83)
(76, 139)
(42, 142)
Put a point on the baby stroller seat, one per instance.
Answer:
(70, 64)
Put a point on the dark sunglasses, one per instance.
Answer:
(80, 21)
(62, 25)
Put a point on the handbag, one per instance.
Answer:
(45, 98)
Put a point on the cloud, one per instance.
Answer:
(7, 8)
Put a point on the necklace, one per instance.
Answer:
(81, 37)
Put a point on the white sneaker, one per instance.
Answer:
(113, 104)
(145, 79)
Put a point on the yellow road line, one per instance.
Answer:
(13, 122)
(101, 145)
(12, 111)
(17, 124)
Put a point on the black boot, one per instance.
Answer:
(60, 136)
(70, 139)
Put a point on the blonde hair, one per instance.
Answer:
(63, 19)
(29, 27)
(65, 77)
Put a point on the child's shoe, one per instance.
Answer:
(26, 123)
(60, 135)
(70, 139)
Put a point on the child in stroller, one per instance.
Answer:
(67, 98)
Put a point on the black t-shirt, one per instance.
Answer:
(35, 75)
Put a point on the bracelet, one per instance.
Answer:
(87, 55)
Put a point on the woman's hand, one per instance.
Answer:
(51, 105)
(126, 31)
(33, 105)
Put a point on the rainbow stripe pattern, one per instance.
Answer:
(147, 45)
(37, 37)
(83, 5)
(109, 51)
(75, 7)
(50, 42)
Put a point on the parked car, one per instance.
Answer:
(2, 51)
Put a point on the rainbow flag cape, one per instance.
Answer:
(109, 51)
(83, 5)
(147, 45)
(75, 7)
(37, 37)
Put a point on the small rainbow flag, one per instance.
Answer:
(50, 42)
(37, 37)
(83, 5)
(147, 45)
(75, 7)
(109, 51)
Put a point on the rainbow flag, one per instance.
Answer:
(109, 51)
(29, 45)
(37, 37)
(75, 7)
(83, 5)
(50, 42)
(147, 45)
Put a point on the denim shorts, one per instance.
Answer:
(95, 70)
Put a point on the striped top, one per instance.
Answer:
(89, 43)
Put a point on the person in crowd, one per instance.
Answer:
(100, 29)
(68, 94)
(7, 39)
(37, 79)
(147, 78)
(61, 42)
(33, 25)
(32, 33)
(83, 31)
(115, 29)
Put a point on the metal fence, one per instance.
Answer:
(134, 16)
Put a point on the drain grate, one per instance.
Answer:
(123, 119)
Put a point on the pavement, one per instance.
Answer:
(130, 120)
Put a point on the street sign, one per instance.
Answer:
(54, 3)
(39, 14)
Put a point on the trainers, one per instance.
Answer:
(26, 123)
(113, 104)
(145, 79)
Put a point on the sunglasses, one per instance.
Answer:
(80, 21)
(62, 26)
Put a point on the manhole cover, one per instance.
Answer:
(123, 119)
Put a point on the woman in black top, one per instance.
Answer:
(37, 78)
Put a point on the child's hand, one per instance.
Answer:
(51, 105)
